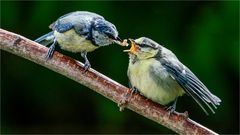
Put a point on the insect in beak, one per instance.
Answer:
(121, 42)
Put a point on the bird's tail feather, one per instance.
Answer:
(46, 39)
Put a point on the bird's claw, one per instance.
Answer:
(122, 104)
(171, 109)
(126, 98)
(86, 66)
(185, 114)
(50, 52)
(134, 90)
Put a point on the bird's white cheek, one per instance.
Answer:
(101, 39)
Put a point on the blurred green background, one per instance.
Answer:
(204, 36)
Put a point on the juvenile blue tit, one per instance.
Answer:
(157, 74)
(80, 31)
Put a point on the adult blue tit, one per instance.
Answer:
(157, 74)
(82, 32)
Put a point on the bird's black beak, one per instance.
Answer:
(119, 39)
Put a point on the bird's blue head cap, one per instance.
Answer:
(104, 32)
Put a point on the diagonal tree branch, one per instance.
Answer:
(96, 81)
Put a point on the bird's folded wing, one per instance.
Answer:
(191, 84)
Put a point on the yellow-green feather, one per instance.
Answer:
(140, 77)
(71, 41)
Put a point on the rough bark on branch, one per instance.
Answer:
(96, 81)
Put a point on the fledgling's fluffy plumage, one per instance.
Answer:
(80, 31)
(158, 75)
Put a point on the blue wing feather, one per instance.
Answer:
(45, 39)
(63, 27)
(191, 84)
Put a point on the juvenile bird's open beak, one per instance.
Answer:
(133, 48)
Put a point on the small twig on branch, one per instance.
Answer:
(96, 81)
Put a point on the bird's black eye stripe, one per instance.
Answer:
(110, 35)
(146, 45)
(143, 45)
